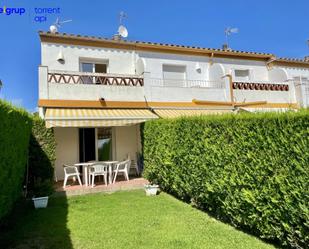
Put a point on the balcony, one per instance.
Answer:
(68, 85)
(269, 91)
(64, 77)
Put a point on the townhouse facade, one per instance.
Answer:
(96, 92)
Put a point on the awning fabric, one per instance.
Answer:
(65, 117)
(175, 113)
(247, 109)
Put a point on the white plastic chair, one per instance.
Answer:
(98, 169)
(133, 165)
(88, 171)
(70, 171)
(122, 167)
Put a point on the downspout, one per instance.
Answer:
(270, 61)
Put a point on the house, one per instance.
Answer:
(96, 92)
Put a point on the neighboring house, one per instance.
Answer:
(95, 92)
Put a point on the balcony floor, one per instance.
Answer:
(73, 188)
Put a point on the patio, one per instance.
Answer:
(73, 188)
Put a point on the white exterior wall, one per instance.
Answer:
(67, 149)
(119, 61)
(94, 92)
(125, 140)
(198, 68)
(258, 70)
(154, 64)
(269, 96)
(301, 95)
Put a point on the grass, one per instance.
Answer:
(121, 220)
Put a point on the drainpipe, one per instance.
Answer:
(269, 63)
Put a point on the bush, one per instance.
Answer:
(43, 188)
(15, 128)
(42, 156)
(251, 170)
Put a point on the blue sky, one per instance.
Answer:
(277, 26)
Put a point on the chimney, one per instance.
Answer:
(225, 47)
(116, 37)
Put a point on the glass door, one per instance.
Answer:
(86, 144)
(104, 144)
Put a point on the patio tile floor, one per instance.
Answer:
(73, 188)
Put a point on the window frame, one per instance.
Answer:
(174, 65)
(93, 62)
(250, 73)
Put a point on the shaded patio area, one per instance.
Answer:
(73, 188)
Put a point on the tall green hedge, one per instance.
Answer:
(42, 155)
(15, 128)
(251, 170)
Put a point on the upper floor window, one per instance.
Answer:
(174, 75)
(92, 67)
(242, 74)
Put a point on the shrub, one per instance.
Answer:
(43, 188)
(251, 170)
(15, 128)
(42, 157)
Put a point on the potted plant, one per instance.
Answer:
(41, 192)
(151, 189)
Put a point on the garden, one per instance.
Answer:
(227, 181)
(126, 219)
(248, 170)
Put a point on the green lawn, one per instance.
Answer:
(122, 220)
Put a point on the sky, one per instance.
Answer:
(280, 27)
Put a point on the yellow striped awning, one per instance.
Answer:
(247, 109)
(175, 113)
(65, 117)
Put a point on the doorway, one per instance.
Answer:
(87, 144)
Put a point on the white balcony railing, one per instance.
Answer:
(185, 83)
(66, 77)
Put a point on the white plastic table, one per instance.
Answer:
(85, 170)
(87, 164)
(110, 169)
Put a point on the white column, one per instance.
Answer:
(43, 82)
(147, 86)
(303, 93)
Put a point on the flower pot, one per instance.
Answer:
(151, 189)
(40, 202)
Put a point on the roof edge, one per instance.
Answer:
(93, 41)
(144, 46)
